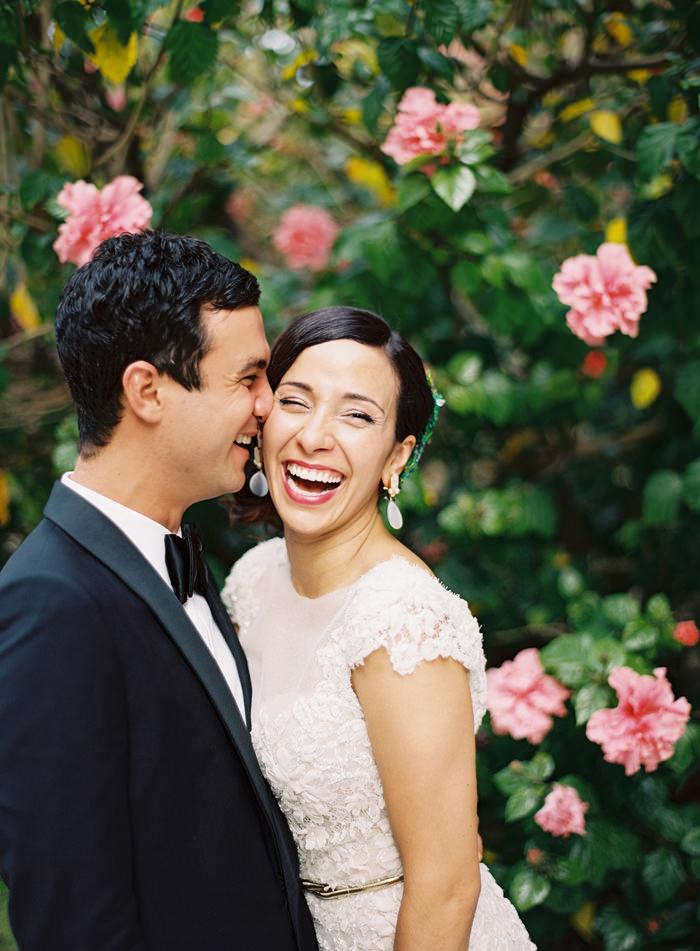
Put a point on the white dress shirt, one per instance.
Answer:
(149, 537)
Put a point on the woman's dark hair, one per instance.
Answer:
(140, 298)
(414, 400)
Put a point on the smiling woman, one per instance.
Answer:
(368, 677)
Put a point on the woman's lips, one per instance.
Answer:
(298, 495)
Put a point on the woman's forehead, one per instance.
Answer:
(345, 366)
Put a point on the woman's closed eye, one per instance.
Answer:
(291, 402)
(358, 414)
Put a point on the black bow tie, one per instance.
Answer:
(185, 563)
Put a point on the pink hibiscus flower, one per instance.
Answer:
(305, 236)
(96, 215)
(643, 728)
(563, 812)
(425, 126)
(605, 291)
(522, 698)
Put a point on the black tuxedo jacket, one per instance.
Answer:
(133, 813)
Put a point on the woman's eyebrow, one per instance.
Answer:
(346, 396)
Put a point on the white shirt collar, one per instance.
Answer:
(143, 532)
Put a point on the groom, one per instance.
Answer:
(133, 814)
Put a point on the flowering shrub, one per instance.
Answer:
(423, 126)
(642, 730)
(471, 153)
(606, 292)
(95, 215)
(522, 699)
(305, 237)
(563, 812)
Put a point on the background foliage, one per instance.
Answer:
(560, 496)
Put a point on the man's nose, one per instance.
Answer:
(263, 400)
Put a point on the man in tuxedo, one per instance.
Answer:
(133, 814)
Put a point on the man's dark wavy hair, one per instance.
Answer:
(415, 398)
(140, 298)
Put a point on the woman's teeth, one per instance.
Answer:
(312, 481)
(243, 440)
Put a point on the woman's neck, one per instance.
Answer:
(322, 564)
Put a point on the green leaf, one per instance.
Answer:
(691, 486)
(465, 367)
(566, 658)
(441, 18)
(455, 185)
(373, 104)
(412, 189)
(540, 767)
(687, 389)
(688, 144)
(192, 48)
(640, 635)
(492, 181)
(398, 59)
(73, 19)
(473, 14)
(656, 147)
(663, 874)
(528, 889)
(620, 608)
(618, 933)
(217, 10)
(523, 802)
(687, 750)
(588, 699)
(662, 497)
(511, 778)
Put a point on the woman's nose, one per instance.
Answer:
(316, 433)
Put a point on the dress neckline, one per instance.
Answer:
(346, 588)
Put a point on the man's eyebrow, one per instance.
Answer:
(346, 396)
(255, 363)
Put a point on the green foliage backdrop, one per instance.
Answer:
(561, 493)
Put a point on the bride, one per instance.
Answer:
(368, 675)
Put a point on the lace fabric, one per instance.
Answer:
(311, 739)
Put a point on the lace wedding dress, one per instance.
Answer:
(310, 736)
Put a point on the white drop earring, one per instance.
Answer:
(258, 482)
(393, 512)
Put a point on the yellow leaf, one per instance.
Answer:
(617, 28)
(23, 308)
(645, 388)
(4, 498)
(606, 125)
(250, 265)
(113, 60)
(657, 187)
(583, 919)
(227, 135)
(519, 54)
(616, 231)
(677, 110)
(346, 53)
(58, 38)
(561, 560)
(299, 105)
(72, 156)
(352, 116)
(371, 176)
(576, 109)
(640, 76)
(303, 59)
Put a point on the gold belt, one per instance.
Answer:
(338, 891)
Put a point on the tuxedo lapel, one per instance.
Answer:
(109, 545)
(223, 621)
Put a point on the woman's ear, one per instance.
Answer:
(142, 392)
(398, 458)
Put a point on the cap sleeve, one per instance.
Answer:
(408, 612)
(241, 591)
